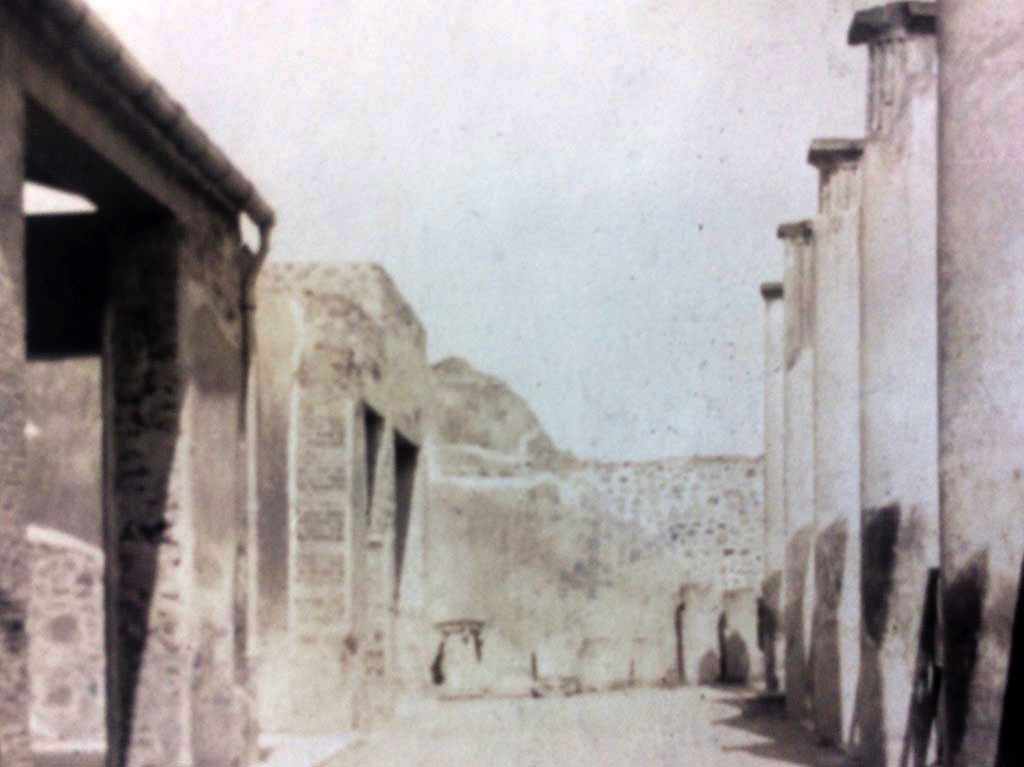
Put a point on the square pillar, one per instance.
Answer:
(327, 512)
(798, 456)
(770, 612)
(378, 655)
(172, 386)
(15, 748)
(836, 627)
(981, 332)
(898, 378)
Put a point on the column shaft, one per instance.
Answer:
(981, 335)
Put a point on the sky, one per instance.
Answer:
(579, 197)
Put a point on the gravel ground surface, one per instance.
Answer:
(690, 727)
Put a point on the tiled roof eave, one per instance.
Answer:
(80, 29)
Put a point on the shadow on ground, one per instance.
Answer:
(765, 717)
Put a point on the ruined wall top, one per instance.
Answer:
(365, 285)
(345, 331)
(482, 426)
(41, 535)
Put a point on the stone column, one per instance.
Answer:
(898, 374)
(798, 452)
(981, 332)
(774, 471)
(172, 388)
(14, 572)
(836, 627)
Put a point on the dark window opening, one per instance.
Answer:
(406, 458)
(65, 285)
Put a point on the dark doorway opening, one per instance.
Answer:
(406, 460)
(373, 431)
(680, 656)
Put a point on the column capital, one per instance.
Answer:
(870, 24)
(826, 153)
(771, 291)
(797, 230)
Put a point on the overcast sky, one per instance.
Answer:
(577, 196)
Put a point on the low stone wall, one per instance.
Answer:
(65, 622)
(580, 573)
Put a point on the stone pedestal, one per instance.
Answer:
(898, 371)
(981, 333)
(836, 627)
(461, 657)
(798, 451)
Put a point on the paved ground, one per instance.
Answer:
(691, 727)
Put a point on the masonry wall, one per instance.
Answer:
(576, 569)
(342, 372)
(67, 654)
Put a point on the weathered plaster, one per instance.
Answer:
(981, 226)
(898, 380)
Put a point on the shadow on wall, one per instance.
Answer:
(827, 664)
(737, 659)
(879, 533)
(146, 392)
(768, 632)
(879, 541)
(710, 669)
(1011, 734)
(962, 604)
(798, 677)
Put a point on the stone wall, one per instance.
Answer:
(342, 376)
(576, 569)
(67, 656)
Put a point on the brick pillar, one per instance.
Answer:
(981, 333)
(836, 628)
(798, 456)
(172, 386)
(898, 373)
(327, 511)
(774, 472)
(15, 750)
(378, 655)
